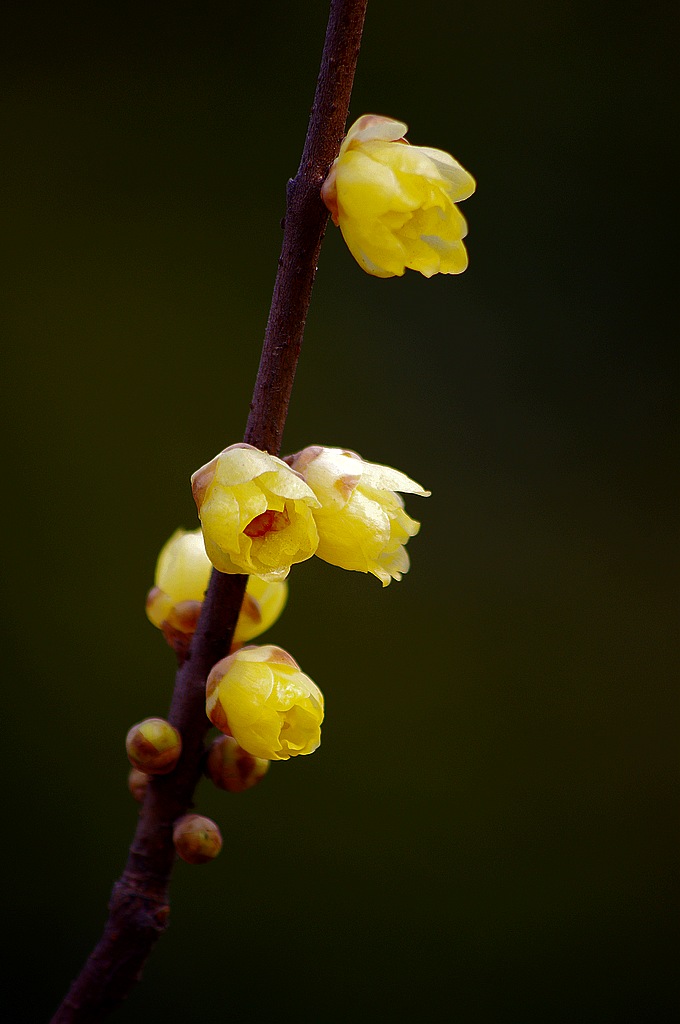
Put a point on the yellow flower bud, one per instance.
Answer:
(362, 523)
(395, 203)
(181, 579)
(182, 576)
(231, 767)
(153, 746)
(256, 513)
(259, 696)
(197, 839)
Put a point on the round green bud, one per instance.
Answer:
(153, 746)
(197, 839)
(231, 767)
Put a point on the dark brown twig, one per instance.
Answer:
(138, 910)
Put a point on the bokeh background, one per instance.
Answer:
(488, 832)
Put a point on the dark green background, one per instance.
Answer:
(488, 832)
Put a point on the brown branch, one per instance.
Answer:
(138, 910)
(305, 223)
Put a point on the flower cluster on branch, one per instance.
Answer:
(396, 207)
(260, 514)
(270, 513)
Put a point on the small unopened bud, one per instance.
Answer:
(197, 839)
(153, 746)
(231, 767)
(137, 784)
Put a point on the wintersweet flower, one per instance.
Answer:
(181, 579)
(259, 696)
(180, 582)
(395, 203)
(361, 522)
(256, 513)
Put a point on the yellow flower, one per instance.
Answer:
(259, 696)
(362, 523)
(180, 581)
(256, 513)
(395, 203)
(182, 575)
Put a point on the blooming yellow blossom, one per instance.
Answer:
(259, 696)
(256, 513)
(362, 523)
(395, 203)
(181, 579)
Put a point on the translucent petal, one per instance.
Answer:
(388, 479)
(332, 474)
(237, 465)
(375, 126)
(286, 484)
(461, 184)
(368, 188)
(183, 568)
(375, 247)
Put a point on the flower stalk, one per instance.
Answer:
(138, 910)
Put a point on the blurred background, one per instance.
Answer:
(488, 832)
